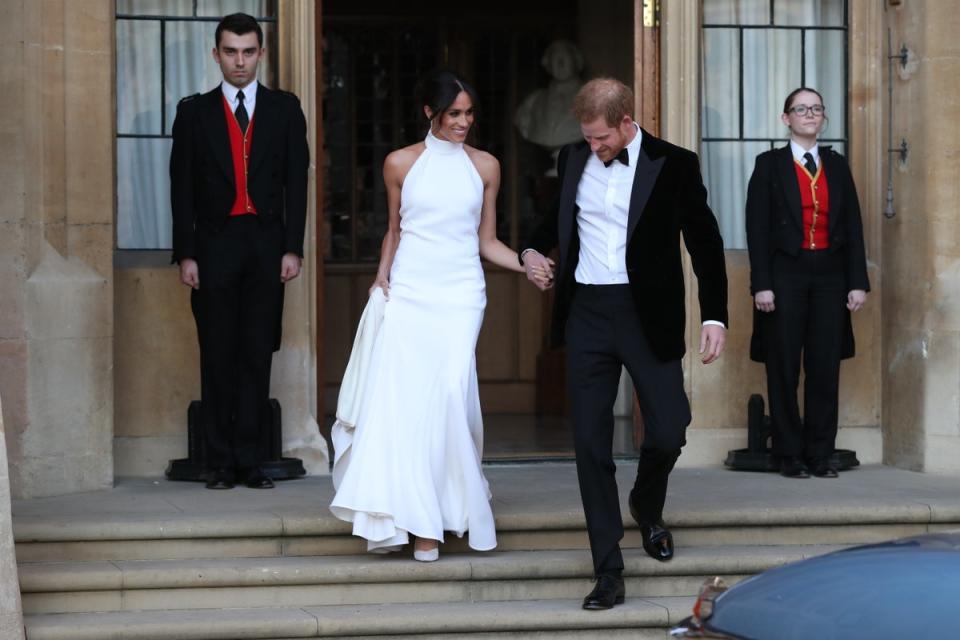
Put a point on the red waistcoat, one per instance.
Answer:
(240, 152)
(815, 203)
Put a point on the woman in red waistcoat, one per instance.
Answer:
(808, 271)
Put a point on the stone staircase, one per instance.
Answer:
(172, 561)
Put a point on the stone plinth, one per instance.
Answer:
(11, 611)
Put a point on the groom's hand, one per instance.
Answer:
(713, 338)
(539, 269)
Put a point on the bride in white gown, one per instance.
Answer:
(411, 463)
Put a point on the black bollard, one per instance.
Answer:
(757, 455)
(194, 468)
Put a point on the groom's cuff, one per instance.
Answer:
(716, 322)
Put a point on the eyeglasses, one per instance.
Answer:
(801, 109)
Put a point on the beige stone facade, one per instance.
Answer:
(921, 246)
(98, 362)
(56, 245)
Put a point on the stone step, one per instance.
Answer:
(151, 536)
(342, 580)
(641, 618)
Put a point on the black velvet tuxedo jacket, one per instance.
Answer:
(668, 199)
(775, 224)
(202, 183)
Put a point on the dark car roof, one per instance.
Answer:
(906, 588)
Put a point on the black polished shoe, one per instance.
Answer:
(823, 468)
(608, 592)
(657, 541)
(220, 479)
(793, 467)
(656, 538)
(257, 479)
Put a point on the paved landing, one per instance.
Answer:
(528, 495)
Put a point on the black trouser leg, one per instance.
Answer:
(593, 375)
(784, 333)
(666, 414)
(217, 313)
(260, 295)
(821, 357)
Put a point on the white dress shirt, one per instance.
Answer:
(603, 197)
(249, 96)
(798, 152)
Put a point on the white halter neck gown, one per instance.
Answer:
(413, 463)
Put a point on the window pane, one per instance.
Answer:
(736, 11)
(218, 8)
(143, 193)
(809, 13)
(190, 67)
(155, 7)
(771, 70)
(826, 72)
(138, 58)
(726, 170)
(720, 79)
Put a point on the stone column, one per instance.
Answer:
(921, 245)
(11, 612)
(295, 365)
(56, 244)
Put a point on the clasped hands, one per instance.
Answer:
(539, 269)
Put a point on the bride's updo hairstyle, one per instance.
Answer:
(438, 89)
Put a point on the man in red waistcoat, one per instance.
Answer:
(238, 183)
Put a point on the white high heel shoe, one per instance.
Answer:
(428, 555)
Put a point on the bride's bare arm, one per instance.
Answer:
(491, 248)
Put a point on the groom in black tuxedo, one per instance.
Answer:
(625, 199)
(238, 182)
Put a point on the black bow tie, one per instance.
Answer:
(623, 157)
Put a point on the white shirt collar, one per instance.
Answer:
(633, 149)
(249, 94)
(798, 152)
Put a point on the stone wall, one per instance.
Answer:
(921, 323)
(56, 241)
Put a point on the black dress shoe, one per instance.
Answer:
(609, 591)
(793, 467)
(257, 479)
(656, 538)
(657, 541)
(220, 479)
(823, 468)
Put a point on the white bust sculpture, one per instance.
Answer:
(544, 117)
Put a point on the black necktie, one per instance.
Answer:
(623, 157)
(808, 162)
(241, 113)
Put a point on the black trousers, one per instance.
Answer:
(603, 334)
(806, 326)
(237, 310)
